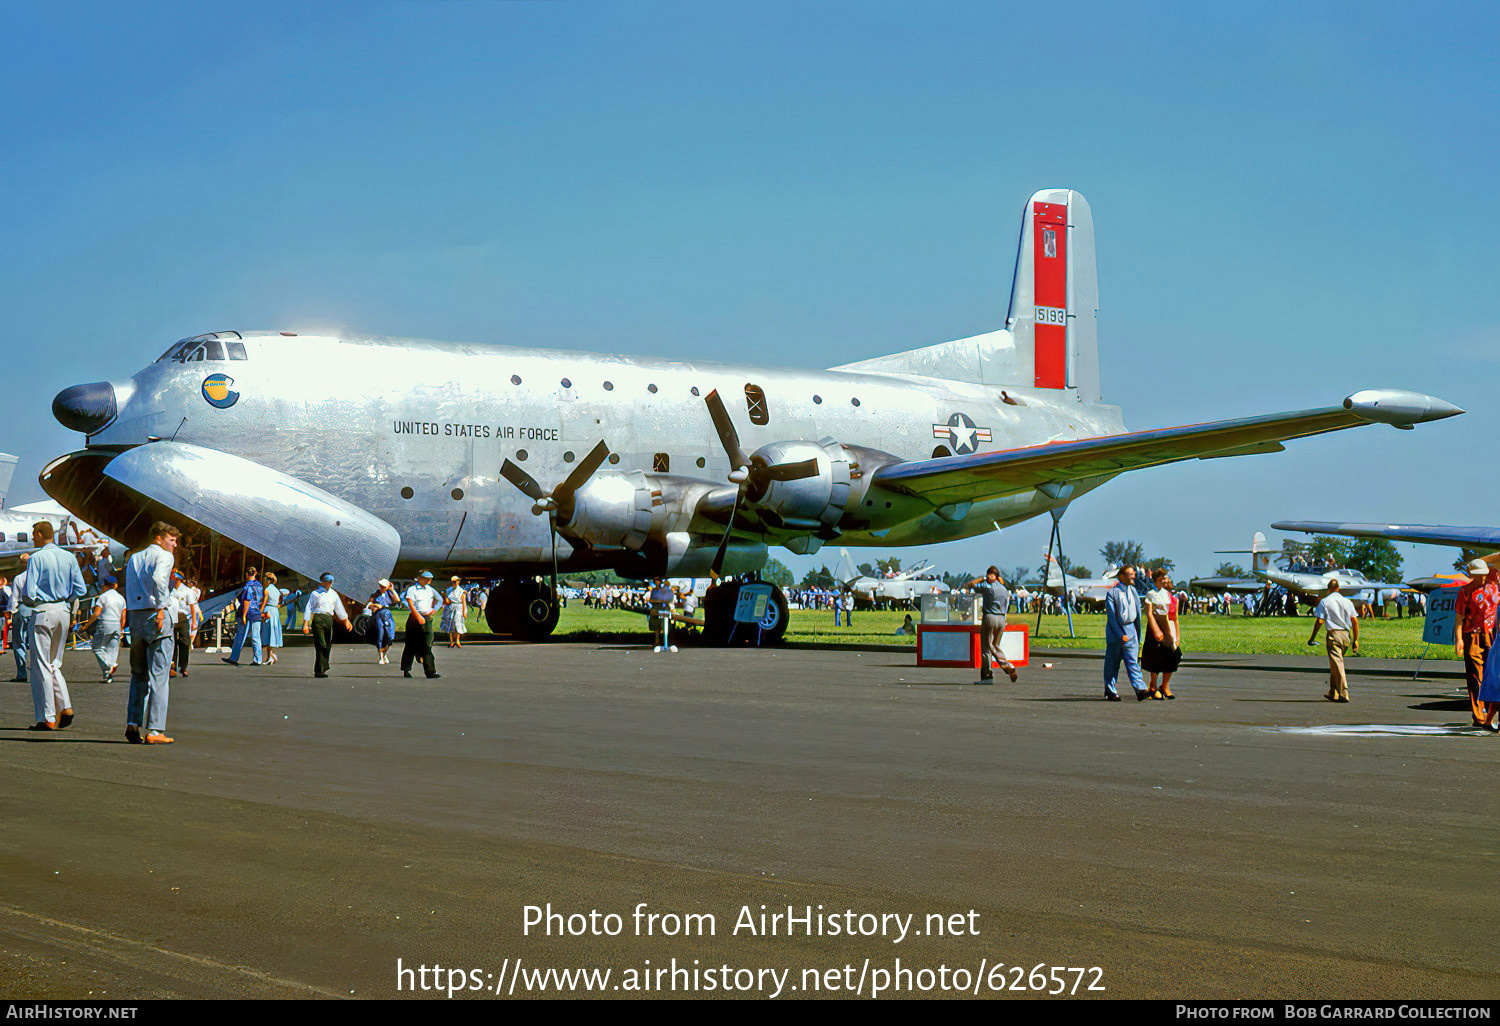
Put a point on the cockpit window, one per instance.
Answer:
(201, 347)
(237, 351)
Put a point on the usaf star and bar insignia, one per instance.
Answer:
(961, 434)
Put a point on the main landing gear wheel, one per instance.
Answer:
(718, 618)
(522, 608)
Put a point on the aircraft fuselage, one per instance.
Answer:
(415, 432)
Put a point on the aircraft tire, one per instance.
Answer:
(522, 609)
(718, 618)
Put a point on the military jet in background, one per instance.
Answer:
(1484, 539)
(1260, 559)
(378, 457)
(1309, 587)
(902, 590)
(1080, 590)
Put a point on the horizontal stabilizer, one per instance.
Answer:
(282, 517)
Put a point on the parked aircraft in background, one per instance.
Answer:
(1483, 539)
(1310, 587)
(1091, 591)
(16, 540)
(380, 457)
(903, 590)
(1260, 559)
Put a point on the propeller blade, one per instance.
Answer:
(728, 437)
(792, 471)
(522, 480)
(583, 471)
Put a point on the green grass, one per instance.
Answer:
(1384, 639)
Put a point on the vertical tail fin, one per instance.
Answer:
(1051, 336)
(7, 469)
(1260, 556)
(1054, 300)
(843, 570)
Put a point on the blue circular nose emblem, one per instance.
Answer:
(217, 393)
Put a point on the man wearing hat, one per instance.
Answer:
(1474, 610)
(1343, 625)
(317, 619)
(108, 624)
(422, 602)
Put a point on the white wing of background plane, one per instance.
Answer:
(953, 479)
(1465, 537)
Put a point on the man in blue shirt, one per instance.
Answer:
(249, 599)
(1122, 610)
(53, 582)
(148, 593)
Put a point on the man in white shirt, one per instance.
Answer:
(323, 606)
(53, 584)
(108, 625)
(422, 602)
(1338, 613)
(147, 595)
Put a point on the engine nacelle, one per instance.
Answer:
(814, 502)
(615, 510)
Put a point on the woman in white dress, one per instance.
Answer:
(456, 614)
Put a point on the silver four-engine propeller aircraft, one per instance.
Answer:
(374, 457)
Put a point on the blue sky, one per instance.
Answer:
(1292, 202)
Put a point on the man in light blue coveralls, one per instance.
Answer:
(1122, 610)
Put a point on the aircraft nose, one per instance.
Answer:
(85, 408)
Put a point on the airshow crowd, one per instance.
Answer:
(155, 610)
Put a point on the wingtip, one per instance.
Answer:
(1399, 407)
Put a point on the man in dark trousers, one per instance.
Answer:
(422, 603)
(323, 606)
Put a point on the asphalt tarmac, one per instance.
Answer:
(343, 837)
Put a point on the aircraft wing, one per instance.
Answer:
(955, 479)
(1466, 537)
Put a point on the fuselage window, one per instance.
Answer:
(661, 463)
(21, 537)
(2, 536)
(755, 402)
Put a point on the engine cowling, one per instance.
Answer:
(812, 501)
(614, 510)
